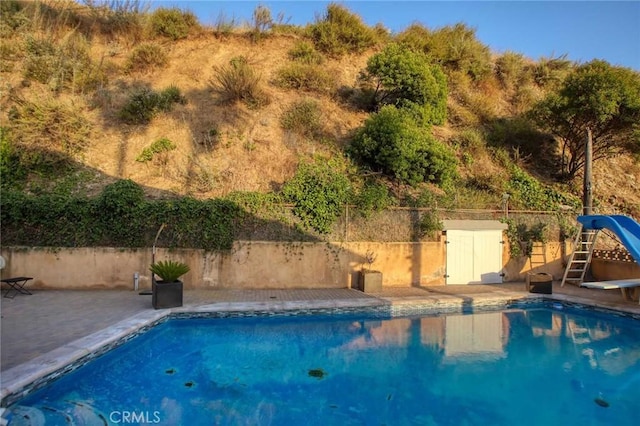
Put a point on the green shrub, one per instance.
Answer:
(144, 104)
(11, 169)
(303, 118)
(41, 59)
(512, 70)
(13, 17)
(401, 77)
(550, 72)
(238, 81)
(520, 134)
(169, 270)
(455, 47)
(122, 18)
(373, 197)
(308, 77)
(61, 65)
(469, 140)
(416, 37)
(146, 56)
(319, 191)
(529, 193)
(172, 23)
(339, 32)
(391, 142)
(157, 147)
(47, 131)
(305, 53)
(429, 225)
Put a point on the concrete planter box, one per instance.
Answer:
(167, 294)
(370, 281)
(540, 283)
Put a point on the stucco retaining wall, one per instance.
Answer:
(257, 264)
(249, 264)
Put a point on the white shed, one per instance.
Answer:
(474, 251)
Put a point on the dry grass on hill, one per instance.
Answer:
(223, 147)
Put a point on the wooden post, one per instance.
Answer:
(587, 187)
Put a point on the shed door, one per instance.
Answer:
(474, 257)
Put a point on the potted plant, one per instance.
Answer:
(370, 280)
(167, 292)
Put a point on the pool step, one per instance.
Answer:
(72, 413)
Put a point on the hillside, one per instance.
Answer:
(60, 64)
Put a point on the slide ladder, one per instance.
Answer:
(580, 258)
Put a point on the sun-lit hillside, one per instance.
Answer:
(69, 70)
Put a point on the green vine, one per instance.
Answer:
(521, 237)
(119, 217)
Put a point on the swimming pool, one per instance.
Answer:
(545, 364)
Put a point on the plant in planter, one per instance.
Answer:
(370, 280)
(167, 293)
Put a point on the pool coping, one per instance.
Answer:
(22, 379)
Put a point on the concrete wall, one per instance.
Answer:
(611, 269)
(250, 264)
(549, 258)
(257, 264)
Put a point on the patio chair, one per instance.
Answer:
(16, 284)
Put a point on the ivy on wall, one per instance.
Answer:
(119, 217)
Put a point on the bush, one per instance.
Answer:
(305, 53)
(172, 23)
(146, 56)
(512, 70)
(11, 170)
(303, 118)
(391, 142)
(144, 104)
(398, 76)
(47, 131)
(519, 133)
(340, 32)
(238, 81)
(308, 77)
(123, 18)
(319, 191)
(158, 147)
(62, 65)
(374, 197)
(529, 194)
(455, 47)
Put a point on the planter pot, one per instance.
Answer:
(370, 281)
(540, 283)
(167, 294)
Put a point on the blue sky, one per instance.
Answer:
(583, 30)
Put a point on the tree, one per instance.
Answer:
(404, 78)
(391, 142)
(596, 96)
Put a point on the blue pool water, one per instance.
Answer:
(531, 366)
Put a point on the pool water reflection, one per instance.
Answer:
(518, 366)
